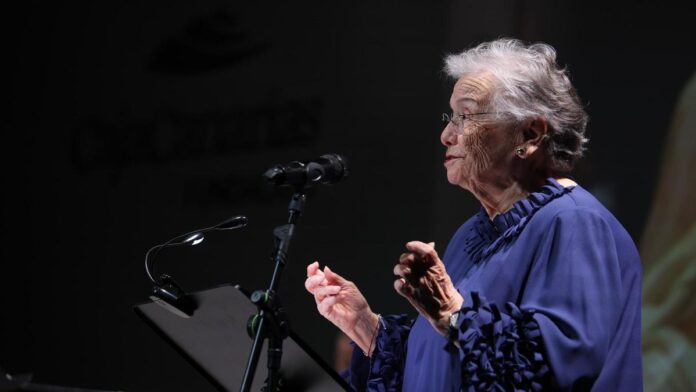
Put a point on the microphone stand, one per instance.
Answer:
(271, 322)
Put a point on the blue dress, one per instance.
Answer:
(551, 293)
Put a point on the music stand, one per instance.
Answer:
(215, 341)
(23, 383)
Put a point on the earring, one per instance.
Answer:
(519, 151)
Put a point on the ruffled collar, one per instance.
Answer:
(486, 235)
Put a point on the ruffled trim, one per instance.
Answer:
(501, 352)
(387, 360)
(486, 235)
(383, 371)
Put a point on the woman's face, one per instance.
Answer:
(479, 150)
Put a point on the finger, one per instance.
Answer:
(309, 285)
(407, 258)
(420, 247)
(401, 270)
(312, 268)
(313, 282)
(403, 288)
(322, 292)
(326, 305)
(425, 251)
(333, 277)
(321, 273)
(398, 284)
(413, 266)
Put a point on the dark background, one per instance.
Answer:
(131, 122)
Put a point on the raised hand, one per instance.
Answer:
(340, 302)
(424, 282)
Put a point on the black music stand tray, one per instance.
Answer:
(215, 341)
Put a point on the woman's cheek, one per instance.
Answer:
(477, 152)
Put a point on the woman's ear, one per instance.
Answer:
(533, 133)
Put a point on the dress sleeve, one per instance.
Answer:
(383, 371)
(500, 350)
(559, 334)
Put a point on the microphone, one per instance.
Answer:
(327, 169)
(235, 222)
(167, 291)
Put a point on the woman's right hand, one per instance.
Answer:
(340, 302)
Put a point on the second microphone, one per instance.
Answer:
(327, 169)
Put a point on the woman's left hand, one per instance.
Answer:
(424, 282)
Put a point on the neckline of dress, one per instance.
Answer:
(488, 234)
(523, 207)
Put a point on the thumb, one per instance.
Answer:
(403, 288)
(333, 277)
(432, 244)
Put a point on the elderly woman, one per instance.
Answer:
(541, 288)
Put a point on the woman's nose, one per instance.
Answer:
(448, 137)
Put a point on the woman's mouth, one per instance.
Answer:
(449, 158)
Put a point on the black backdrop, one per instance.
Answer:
(131, 122)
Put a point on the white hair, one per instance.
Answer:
(530, 84)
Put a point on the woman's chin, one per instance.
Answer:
(452, 177)
(455, 178)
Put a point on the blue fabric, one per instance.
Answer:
(385, 366)
(552, 301)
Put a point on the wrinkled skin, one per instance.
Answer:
(340, 302)
(482, 159)
(424, 282)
